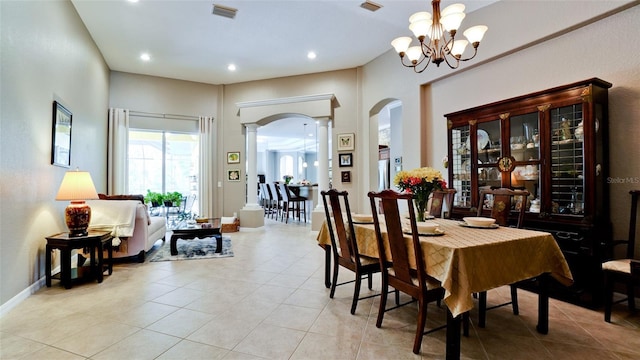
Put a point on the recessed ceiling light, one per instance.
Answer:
(231, 67)
(133, 1)
(145, 57)
(311, 55)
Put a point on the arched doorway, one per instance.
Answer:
(385, 160)
(254, 114)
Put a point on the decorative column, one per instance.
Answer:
(318, 216)
(252, 214)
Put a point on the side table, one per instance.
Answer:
(95, 241)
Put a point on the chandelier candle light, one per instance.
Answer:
(435, 46)
(421, 183)
(77, 187)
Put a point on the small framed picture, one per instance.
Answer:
(61, 136)
(346, 142)
(233, 175)
(345, 176)
(346, 160)
(233, 157)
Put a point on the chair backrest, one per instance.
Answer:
(188, 203)
(399, 249)
(503, 204)
(438, 199)
(631, 245)
(285, 192)
(274, 192)
(343, 232)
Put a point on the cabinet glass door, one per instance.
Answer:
(567, 160)
(489, 151)
(524, 144)
(461, 165)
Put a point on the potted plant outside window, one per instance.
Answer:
(173, 199)
(154, 198)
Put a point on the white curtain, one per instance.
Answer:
(207, 166)
(117, 152)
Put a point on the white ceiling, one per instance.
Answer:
(267, 39)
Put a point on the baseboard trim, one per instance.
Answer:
(21, 296)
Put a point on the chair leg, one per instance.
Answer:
(422, 319)
(383, 300)
(482, 308)
(608, 296)
(630, 296)
(369, 280)
(356, 293)
(514, 300)
(336, 266)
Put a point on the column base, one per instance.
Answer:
(251, 216)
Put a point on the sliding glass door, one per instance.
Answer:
(163, 161)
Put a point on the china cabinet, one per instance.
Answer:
(554, 144)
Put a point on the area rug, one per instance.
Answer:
(194, 250)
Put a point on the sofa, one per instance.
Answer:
(126, 216)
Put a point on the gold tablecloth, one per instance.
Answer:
(468, 260)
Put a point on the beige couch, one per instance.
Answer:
(135, 232)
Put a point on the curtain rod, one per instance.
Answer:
(162, 116)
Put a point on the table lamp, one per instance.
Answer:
(77, 187)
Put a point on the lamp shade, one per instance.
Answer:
(77, 185)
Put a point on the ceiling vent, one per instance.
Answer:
(370, 5)
(225, 11)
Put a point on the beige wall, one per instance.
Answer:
(343, 84)
(47, 55)
(603, 48)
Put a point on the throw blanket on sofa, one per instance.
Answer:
(117, 216)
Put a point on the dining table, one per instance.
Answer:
(468, 260)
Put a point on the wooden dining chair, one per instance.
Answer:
(503, 202)
(627, 270)
(344, 245)
(397, 272)
(292, 203)
(438, 199)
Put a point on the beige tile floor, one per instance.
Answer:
(269, 302)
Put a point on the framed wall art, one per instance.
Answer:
(345, 176)
(346, 160)
(346, 142)
(61, 136)
(233, 175)
(233, 157)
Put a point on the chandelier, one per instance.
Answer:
(435, 45)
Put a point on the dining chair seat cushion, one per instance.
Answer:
(431, 282)
(620, 265)
(364, 260)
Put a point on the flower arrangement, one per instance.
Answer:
(420, 182)
(287, 179)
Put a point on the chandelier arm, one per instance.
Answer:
(446, 56)
(475, 52)
(415, 68)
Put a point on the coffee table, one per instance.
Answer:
(187, 231)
